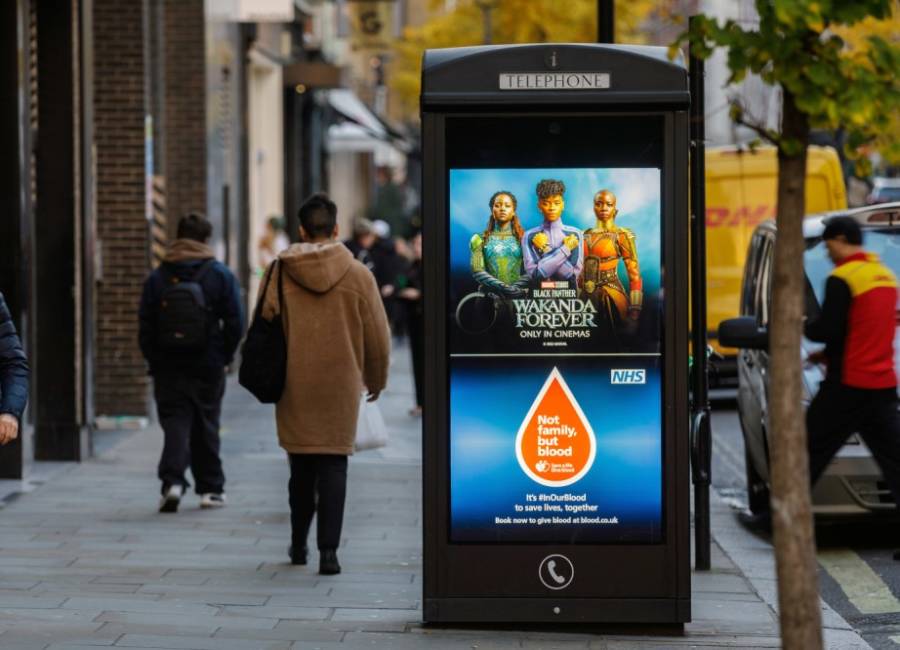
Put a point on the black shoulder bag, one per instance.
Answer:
(264, 353)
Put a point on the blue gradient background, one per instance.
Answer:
(490, 397)
(637, 193)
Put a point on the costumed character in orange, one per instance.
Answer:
(604, 246)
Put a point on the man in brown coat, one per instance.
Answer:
(338, 342)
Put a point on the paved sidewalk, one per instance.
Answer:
(86, 561)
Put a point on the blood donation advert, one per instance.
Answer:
(555, 355)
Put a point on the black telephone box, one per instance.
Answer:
(556, 412)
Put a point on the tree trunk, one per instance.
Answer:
(795, 549)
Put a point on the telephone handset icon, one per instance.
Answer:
(551, 569)
(556, 572)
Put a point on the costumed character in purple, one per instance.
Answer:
(552, 251)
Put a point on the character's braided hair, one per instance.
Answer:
(550, 187)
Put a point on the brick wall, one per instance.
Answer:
(119, 105)
(184, 106)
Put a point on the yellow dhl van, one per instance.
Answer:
(741, 191)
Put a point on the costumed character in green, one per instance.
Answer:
(496, 259)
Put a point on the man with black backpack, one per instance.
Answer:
(191, 322)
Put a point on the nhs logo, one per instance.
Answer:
(628, 376)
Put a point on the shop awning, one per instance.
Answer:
(353, 138)
(346, 103)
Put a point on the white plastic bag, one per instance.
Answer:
(371, 432)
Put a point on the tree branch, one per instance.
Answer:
(766, 134)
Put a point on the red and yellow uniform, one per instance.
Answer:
(858, 323)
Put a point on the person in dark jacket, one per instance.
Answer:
(13, 377)
(360, 245)
(857, 324)
(388, 266)
(411, 295)
(189, 379)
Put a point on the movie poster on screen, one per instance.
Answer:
(556, 358)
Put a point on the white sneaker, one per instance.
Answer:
(212, 500)
(171, 498)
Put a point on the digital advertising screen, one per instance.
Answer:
(555, 368)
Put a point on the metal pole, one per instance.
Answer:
(701, 434)
(606, 21)
(486, 6)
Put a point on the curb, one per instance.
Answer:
(755, 558)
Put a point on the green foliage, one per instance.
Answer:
(799, 46)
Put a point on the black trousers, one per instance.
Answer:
(837, 411)
(417, 348)
(318, 485)
(189, 409)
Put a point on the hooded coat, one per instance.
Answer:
(338, 344)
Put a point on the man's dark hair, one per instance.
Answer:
(194, 226)
(318, 216)
(846, 226)
(549, 187)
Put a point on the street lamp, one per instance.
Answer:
(487, 6)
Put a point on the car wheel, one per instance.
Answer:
(757, 490)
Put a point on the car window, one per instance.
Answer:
(884, 242)
(751, 276)
(811, 307)
(887, 194)
(763, 297)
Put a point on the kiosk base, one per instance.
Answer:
(556, 610)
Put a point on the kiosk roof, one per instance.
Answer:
(549, 73)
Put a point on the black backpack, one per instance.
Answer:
(182, 324)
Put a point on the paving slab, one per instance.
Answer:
(199, 643)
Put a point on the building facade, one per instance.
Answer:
(121, 117)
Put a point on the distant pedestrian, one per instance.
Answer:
(361, 243)
(13, 377)
(857, 323)
(385, 263)
(273, 241)
(390, 204)
(191, 322)
(338, 342)
(411, 295)
(389, 265)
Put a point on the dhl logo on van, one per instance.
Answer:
(742, 216)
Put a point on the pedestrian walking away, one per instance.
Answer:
(338, 342)
(857, 323)
(13, 377)
(191, 322)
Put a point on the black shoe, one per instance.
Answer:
(171, 497)
(298, 558)
(757, 522)
(897, 556)
(328, 563)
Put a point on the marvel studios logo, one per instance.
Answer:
(628, 376)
